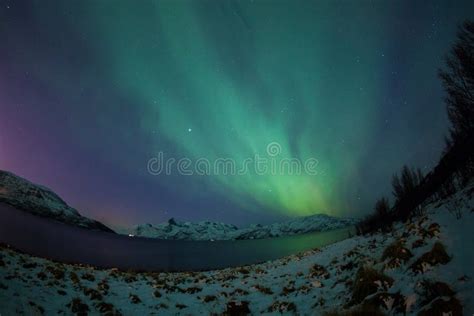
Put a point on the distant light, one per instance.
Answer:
(130, 235)
(190, 130)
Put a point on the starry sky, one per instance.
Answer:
(91, 90)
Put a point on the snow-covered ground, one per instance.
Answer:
(218, 231)
(41, 201)
(405, 270)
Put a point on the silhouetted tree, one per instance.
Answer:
(382, 208)
(382, 212)
(406, 183)
(379, 219)
(458, 81)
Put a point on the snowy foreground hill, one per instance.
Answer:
(36, 199)
(422, 267)
(219, 231)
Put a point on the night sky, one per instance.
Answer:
(91, 90)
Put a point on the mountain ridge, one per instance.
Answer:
(206, 230)
(42, 201)
(39, 200)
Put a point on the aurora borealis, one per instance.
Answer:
(91, 90)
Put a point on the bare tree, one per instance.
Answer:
(458, 81)
(406, 183)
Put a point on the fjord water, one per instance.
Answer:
(65, 243)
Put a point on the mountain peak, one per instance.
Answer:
(207, 230)
(42, 201)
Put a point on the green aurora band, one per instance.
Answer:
(223, 79)
(268, 86)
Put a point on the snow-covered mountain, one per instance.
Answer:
(302, 225)
(218, 231)
(173, 229)
(39, 200)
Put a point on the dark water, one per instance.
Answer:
(54, 240)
